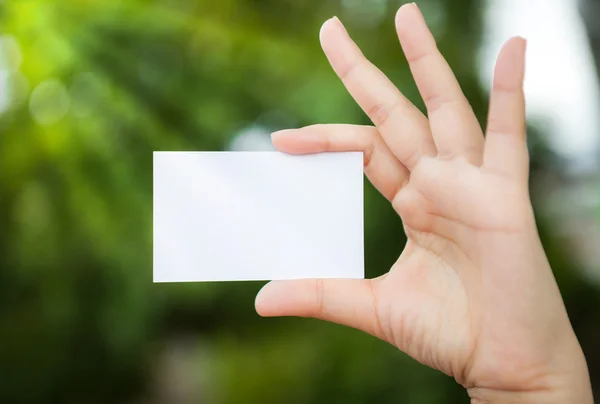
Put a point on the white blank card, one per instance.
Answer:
(225, 216)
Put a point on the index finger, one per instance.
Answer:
(384, 171)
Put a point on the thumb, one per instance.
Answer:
(350, 302)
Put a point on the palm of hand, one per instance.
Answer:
(472, 293)
(430, 304)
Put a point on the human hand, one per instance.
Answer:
(472, 294)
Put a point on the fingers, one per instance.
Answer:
(403, 127)
(349, 302)
(382, 168)
(506, 147)
(455, 128)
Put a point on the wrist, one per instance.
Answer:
(572, 387)
(483, 396)
(486, 396)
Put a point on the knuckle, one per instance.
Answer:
(381, 112)
(378, 113)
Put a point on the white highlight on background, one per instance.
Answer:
(561, 84)
(224, 216)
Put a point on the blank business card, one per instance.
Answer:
(229, 216)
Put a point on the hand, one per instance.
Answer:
(472, 294)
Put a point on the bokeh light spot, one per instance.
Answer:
(11, 57)
(85, 91)
(253, 138)
(364, 13)
(49, 102)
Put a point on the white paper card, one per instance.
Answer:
(224, 216)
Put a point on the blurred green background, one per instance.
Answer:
(91, 87)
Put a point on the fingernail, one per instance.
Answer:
(335, 20)
(412, 4)
(416, 7)
(406, 7)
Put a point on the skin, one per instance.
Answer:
(472, 294)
